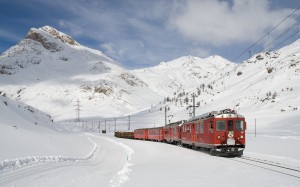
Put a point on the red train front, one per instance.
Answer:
(222, 132)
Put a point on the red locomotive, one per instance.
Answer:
(221, 132)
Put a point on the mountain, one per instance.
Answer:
(183, 73)
(265, 88)
(52, 72)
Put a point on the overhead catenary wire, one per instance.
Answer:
(237, 57)
(270, 42)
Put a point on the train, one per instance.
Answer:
(222, 133)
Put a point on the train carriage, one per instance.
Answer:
(156, 134)
(141, 134)
(173, 132)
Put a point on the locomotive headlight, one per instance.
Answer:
(242, 136)
(219, 137)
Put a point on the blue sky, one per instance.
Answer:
(143, 33)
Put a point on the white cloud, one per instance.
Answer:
(222, 23)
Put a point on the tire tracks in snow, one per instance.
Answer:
(32, 167)
(15, 169)
(122, 176)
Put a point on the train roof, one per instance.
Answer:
(226, 113)
(177, 123)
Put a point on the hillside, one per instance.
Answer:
(51, 71)
(26, 131)
(265, 87)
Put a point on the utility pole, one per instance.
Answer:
(194, 106)
(99, 126)
(128, 122)
(115, 124)
(165, 115)
(78, 110)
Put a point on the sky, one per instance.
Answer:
(143, 33)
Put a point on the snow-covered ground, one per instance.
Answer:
(37, 152)
(50, 71)
(122, 162)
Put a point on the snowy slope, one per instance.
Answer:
(26, 131)
(183, 73)
(51, 71)
(265, 87)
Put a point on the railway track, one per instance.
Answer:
(284, 169)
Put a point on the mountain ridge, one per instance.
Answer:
(54, 80)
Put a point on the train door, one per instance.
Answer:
(209, 131)
(193, 134)
(200, 129)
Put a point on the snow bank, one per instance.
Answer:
(21, 162)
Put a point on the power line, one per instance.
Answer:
(265, 35)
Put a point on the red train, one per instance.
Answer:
(221, 132)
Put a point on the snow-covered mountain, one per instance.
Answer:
(51, 71)
(183, 73)
(265, 87)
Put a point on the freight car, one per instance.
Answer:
(129, 135)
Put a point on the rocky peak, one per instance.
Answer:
(35, 35)
(43, 35)
(59, 35)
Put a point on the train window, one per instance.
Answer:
(211, 125)
(230, 125)
(201, 127)
(197, 128)
(239, 125)
(221, 125)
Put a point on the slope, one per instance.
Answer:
(26, 131)
(51, 71)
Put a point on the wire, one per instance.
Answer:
(265, 35)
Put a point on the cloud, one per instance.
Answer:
(11, 36)
(144, 33)
(222, 23)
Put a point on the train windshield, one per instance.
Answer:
(230, 125)
(221, 125)
(239, 125)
